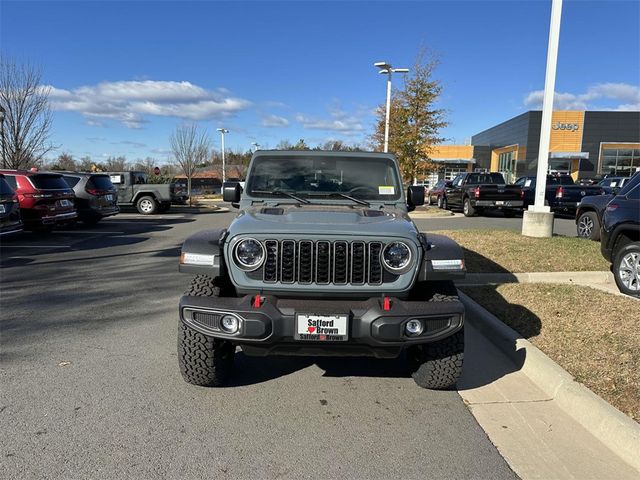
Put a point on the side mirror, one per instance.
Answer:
(415, 197)
(448, 184)
(231, 192)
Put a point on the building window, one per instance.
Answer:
(507, 166)
(620, 161)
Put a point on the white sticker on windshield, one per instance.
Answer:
(386, 190)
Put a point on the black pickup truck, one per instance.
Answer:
(562, 194)
(477, 192)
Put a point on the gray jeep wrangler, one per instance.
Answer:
(322, 260)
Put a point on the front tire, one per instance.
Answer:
(468, 209)
(588, 226)
(626, 269)
(147, 205)
(438, 365)
(204, 360)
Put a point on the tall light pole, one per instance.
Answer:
(2, 114)
(224, 167)
(387, 69)
(537, 221)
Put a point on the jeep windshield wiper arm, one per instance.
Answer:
(343, 195)
(281, 192)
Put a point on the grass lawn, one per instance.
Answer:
(592, 334)
(501, 251)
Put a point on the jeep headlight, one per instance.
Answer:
(248, 254)
(396, 257)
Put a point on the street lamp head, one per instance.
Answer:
(384, 71)
(223, 130)
(382, 65)
(401, 70)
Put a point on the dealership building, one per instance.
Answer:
(584, 144)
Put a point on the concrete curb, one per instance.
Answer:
(613, 428)
(577, 278)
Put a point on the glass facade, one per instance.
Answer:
(507, 166)
(619, 161)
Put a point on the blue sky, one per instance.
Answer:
(124, 74)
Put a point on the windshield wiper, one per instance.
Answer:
(282, 193)
(343, 195)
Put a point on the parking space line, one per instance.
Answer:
(87, 231)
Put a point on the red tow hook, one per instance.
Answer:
(257, 301)
(386, 304)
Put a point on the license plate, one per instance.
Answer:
(499, 202)
(108, 198)
(322, 328)
(65, 203)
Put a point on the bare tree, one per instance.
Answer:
(64, 161)
(27, 123)
(115, 164)
(86, 164)
(190, 148)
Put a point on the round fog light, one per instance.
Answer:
(414, 327)
(230, 324)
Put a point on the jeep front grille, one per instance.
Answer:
(323, 262)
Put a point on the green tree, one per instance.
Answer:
(415, 121)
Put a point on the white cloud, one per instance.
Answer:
(601, 96)
(129, 102)
(274, 121)
(339, 122)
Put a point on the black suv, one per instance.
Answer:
(10, 221)
(96, 197)
(620, 237)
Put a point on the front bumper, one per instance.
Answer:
(372, 331)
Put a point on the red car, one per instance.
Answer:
(45, 198)
(436, 193)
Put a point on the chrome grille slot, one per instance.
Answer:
(358, 263)
(305, 261)
(375, 267)
(340, 262)
(288, 262)
(270, 273)
(323, 262)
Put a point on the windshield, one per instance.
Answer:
(5, 188)
(358, 177)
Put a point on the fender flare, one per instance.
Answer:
(206, 248)
(438, 247)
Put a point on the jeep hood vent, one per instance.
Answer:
(373, 213)
(272, 211)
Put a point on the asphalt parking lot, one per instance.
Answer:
(91, 387)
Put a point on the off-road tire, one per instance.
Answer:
(588, 226)
(630, 252)
(438, 365)
(204, 360)
(147, 205)
(468, 209)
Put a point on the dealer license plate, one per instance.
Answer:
(108, 198)
(321, 328)
(65, 203)
(500, 202)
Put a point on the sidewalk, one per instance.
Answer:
(530, 425)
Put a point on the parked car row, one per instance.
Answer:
(474, 193)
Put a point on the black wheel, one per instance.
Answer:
(468, 209)
(147, 205)
(588, 226)
(440, 202)
(445, 203)
(438, 365)
(204, 360)
(626, 269)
